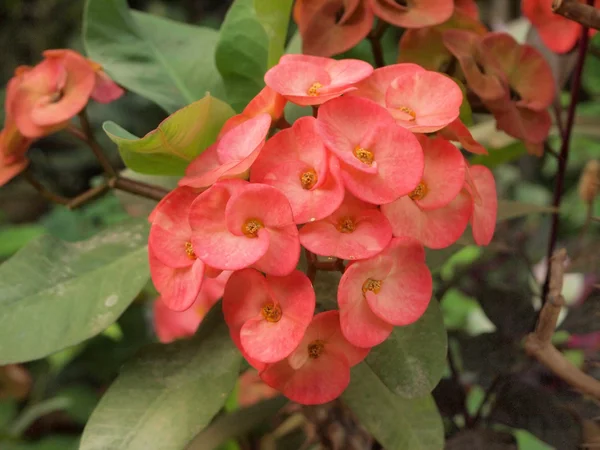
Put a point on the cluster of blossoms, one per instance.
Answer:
(42, 100)
(371, 180)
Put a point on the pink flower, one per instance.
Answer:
(392, 288)
(176, 270)
(251, 389)
(482, 187)
(231, 156)
(436, 213)
(267, 317)
(266, 101)
(313, 80)
(171, 325)
(236, 225)
(420, 100)
(318, 371)
(413, 14)
(295, 162)
(380, 160)
(356, 230)
(458, 132)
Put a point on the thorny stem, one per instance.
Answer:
(375, 40)
(564, 154)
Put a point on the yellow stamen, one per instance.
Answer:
(271, 312)
(372, 285)
(251, 227)
(308, 179)
(364, 155)
(315, 349)
(346, 225)
(313, 90)
(419, 192)
(409, 111)
(189, 250)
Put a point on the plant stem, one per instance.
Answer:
(586, 15)
(375, 40)
(564, 154)
(146, 190)
(94, 146)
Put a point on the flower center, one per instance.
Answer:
(308, 179)
(189, 250)
(372, 285)
(313, 90)
(251, 227)
(409, 111)
(346, 225)
(271, 312)
(420, 192)
(364, 155)
(315, 348)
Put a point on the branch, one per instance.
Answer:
(137, 187)
(539, 343)
(564, 152)
(586, 15)
(375, 40)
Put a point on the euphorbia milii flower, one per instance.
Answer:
(318, 371)
(329, 27)
(392, 288)
(356, 230)
(266, 101)
(380, 160)
(48, 95)
(296, 162)
(105, 89)
(458, 132)
(435, 213)
(267, 317)
(558, 33)
(176, 270)
(482, 186)
(420, 100)
(413, 13)
(231, 156)
(313, 80)
(171, 325)
(236, 224)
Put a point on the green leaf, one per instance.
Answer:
(55, 294)
(181, 137)
(527, 441)
(397, 423)
(235, 424)
(48, 443)
(274, 15)
(166, 395)
(251, 40)
(499, 156)
(14, 237)
(412, 360)
(508, 209)
(169, 63)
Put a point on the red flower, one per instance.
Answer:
(296, 162)
(392, 288)
(318, 371)
(312, 80)
(267, 317)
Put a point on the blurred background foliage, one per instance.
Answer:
(488, 295)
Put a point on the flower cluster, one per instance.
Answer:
(371, 179)
(41, 100)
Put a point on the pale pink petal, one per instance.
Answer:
(283, 253)
(242, 141)
(170, 325)
(105, 89)
(483, 221)
(375, 87)
(171, 249)
(458, 132)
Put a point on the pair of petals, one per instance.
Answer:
(248, 300)
(380, 160)
(356, 230)
(400, 295)
(236, 225)
(313, 80)
(296, 162)
(318, 371)
(482, 187)
(231, 156)
(420, 100)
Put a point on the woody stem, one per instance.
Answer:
(375, 40)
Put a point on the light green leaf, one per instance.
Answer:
(14, 237)
(396, 422)
(55, 294)
(527, 441)
(412, 360)
(251, 40)
(508, 209)
(499, 156)
(167, 62)
(181, 137)
(166, 395)
(274, 15)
